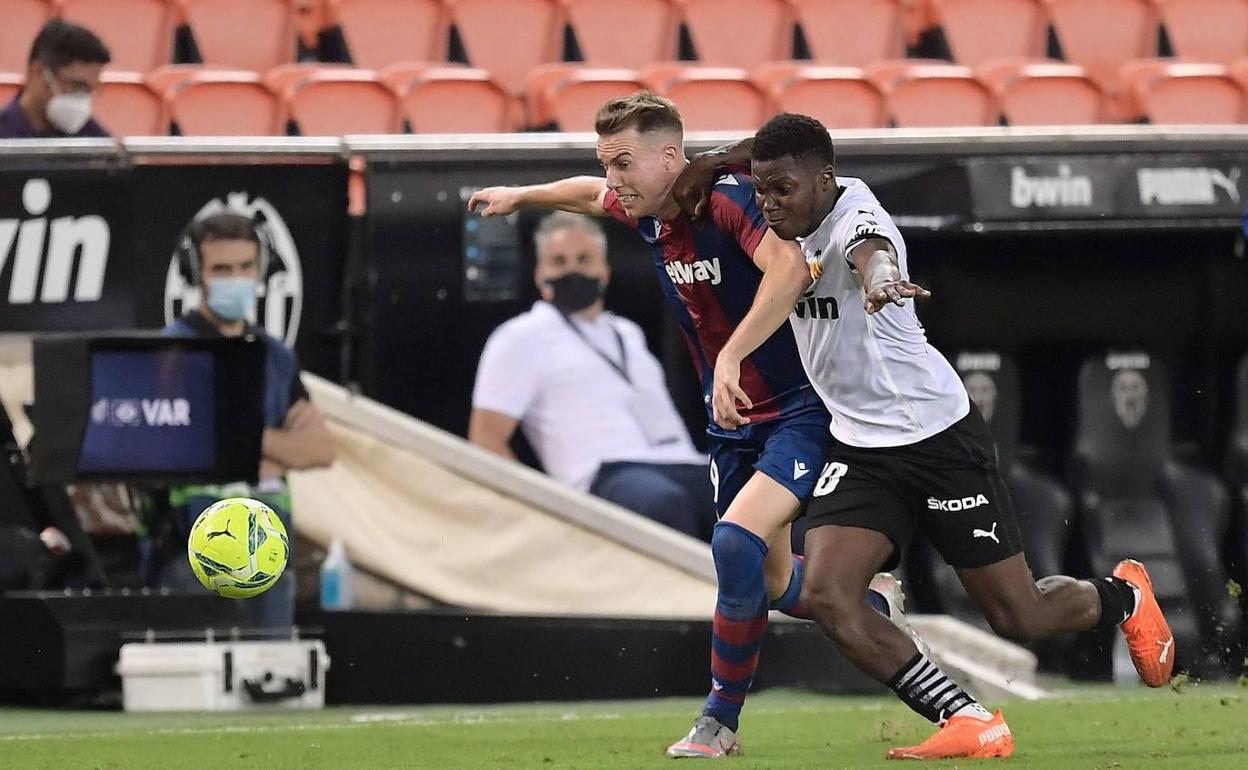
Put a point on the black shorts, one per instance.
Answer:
(948, 485)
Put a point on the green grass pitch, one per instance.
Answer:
(1194, 726)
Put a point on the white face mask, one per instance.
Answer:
(68, 112)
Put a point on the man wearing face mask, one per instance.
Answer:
(587, 392)
(224, 255)
(62, 76)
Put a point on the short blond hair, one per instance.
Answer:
(645, 111)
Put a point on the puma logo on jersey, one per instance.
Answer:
(1165, 649)
(956, 504)
(702, 270)
(992, 533)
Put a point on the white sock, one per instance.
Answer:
(973, 710)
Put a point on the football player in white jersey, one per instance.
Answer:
(911, 451)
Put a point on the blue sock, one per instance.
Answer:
(790, 604)
(740, 619)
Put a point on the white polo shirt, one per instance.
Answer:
(575, 408)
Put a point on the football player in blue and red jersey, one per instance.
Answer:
(768, 431)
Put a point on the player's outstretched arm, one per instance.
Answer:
(578, 194)
(875, 259)
(785, 277)
(692, 189)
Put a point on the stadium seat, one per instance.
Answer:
(877, 32)
(1166, 91)
(10, 86)
(454, 100)
(1206, 30)
(928, 95)
(570, 96)
(652, 31)
(333, 101)
(138, 33)
(382, 32)
(22, 20)
(711, 98)
(509, 37)
(1043, 93)
(1237, 473)
(223, 103)
(739, 33)
(125, 106)
(248, 34)
(980, 30)
(1100, 35)
(1137, 502)
(839, 97)
(283, 76)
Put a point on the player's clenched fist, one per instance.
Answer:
(497, 201)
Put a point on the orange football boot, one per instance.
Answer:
(963, 737)
(1147, 633)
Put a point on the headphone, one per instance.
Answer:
(187, 254)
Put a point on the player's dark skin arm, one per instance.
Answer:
(875, 260)
(692, 189)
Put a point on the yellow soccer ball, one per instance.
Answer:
(238, 547)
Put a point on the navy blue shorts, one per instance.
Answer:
(791, 450)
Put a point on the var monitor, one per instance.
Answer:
(147, 409)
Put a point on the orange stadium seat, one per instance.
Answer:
(652, 27)
(1167, 91)
(739, 33)
(163, 79)
(1101, 35)
(454, 100)
(877, 32)
(333, 101)
(711, 98)
(382, 32)
(138, 33)
(223, 103)
(929, 95)
(839, 97)
(248, 34)
(509, 37)
(573, 101)
(10, 86)
(1033, 93)
(1206, 30)
(283, 76)
(980, 30)
(126, 106)
(20, 23)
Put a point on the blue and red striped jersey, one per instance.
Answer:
(708, 275)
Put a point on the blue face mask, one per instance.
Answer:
(232, 299)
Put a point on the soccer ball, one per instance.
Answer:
(238, 548)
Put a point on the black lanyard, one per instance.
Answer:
(621, 368)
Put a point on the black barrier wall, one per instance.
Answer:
(1044, 250)
(86, 242)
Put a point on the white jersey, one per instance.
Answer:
(879, 378)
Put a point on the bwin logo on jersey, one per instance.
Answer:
(702, 270)
(956, 504)
(85, 238)
(822, 308)
(280, 303)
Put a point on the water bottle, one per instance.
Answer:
(336, 579)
